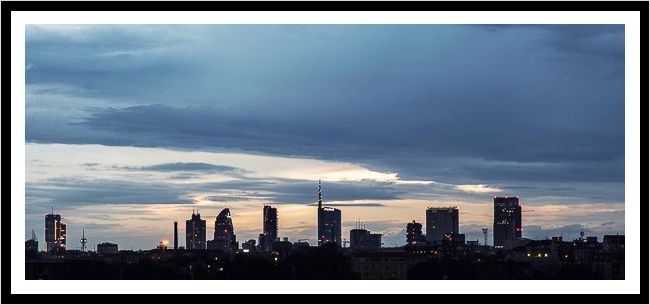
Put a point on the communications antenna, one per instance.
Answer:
(83, 240)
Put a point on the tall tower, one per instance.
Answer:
(195, 232)
(507, 220)
(55, 233)
(269, 227)
(175, 235)
(320, 196)
(329, 222)
(83, 240)
(441, 221)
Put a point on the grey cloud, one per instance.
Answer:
(78, 191)
(181, 166)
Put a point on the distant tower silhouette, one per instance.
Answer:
(320, 196)
(83, 240)
(175, 235)
(485, 231)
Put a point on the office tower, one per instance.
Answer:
(195, 232)
(414, 233)
(224, 233)
(55, 233)
(441, 221)
(31, 245)
(359, 238)
(270, 228)
(507, 220)
(175, 235)
(329, 222)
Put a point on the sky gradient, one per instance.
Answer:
(128, 127)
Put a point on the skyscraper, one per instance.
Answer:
(55, 233)
(507, 220)
(329, 222)
(270, 228)
(175, 235)
(441, 221)
(224, 232)
(414, 233)
(195, 232)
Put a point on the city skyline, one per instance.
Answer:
(128, 127)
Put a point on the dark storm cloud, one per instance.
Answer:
(511, 104)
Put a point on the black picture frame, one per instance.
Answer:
(9, 7)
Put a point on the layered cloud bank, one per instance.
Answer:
(392, 117)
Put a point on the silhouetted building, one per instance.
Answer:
(31, 245)
(414, 233)
(374, 241)
(360, 238)
(248, 246)
(195, 232)
(55, 233)
(507, 220)
(614, 243)
(175, 235)
(107, 248)
(441, 221)
(270, 228)
(329, 222)
(453, 240)
(224, 232)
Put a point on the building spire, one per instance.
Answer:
(320, 196)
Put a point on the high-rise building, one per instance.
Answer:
(329, 222)
(175, 235)
(55, 233)
(224, 233)
(414, 233)
(441, 221)
(195, 232)
(360, 238)
(507, 220)
(270, 228)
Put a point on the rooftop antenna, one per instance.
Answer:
(33, 235)
(83, 240)
(320, 196)
(52, 203)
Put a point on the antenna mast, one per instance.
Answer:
(83, 240)
(320, 196)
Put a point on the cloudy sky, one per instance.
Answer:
(128, 127)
